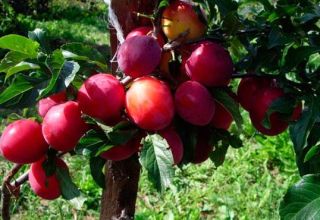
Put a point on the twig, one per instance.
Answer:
(7, 191)
(157, 20)
(126, 80)
(20, 180)
(247, 75)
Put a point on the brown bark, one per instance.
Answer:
(122, 177)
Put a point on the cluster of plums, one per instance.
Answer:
(151, 101)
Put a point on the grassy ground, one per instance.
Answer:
(249, 185)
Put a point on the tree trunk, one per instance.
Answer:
(122, 177)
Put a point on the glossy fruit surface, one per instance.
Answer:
(149, 103)
(210, 64)
(222, 118)
(46, 187)
(248, 89)
(22, 142)
(45, 104)
(194, 103)
(63, 126)
(174, 142)
(180, 17)
(102, 96)
(146, 30)
(138, 56)
(262, 102)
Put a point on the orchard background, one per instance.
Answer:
(252, 181)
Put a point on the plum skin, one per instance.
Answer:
(45, 104)
(194, 103)
(124, 151)
(139, 56)
(263, 100)
(146, 30)
(222, 118)
(63, 126)
(203, 148)
(22, 142)
(249, 87)
(102, 96)
(46, 187)
(210, 64)
(149, 103)
(180, 17)
(174, 142)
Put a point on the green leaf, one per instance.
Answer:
(302, 200)
(96, 169)
(250, 10)
(283, 105)
(301, 129)
(230, 104)
(231, 23)
(313, 14)
(163, 3)
(103, 148)
(78, 51)
(156, 157)
(63, 73)
(313, 64)
(120, 134)
(20, 67)
(314, 135)
(218, 155)
(39, 35)
(68, 189)
(315, 150)
(277, 38)
(11, 59)
(296, 55)
(226, 6)
(17, 88)
(20, 44)
(89, 144)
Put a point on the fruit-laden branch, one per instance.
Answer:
(12, 188)
(7, 191)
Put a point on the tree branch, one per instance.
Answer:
(7, 191)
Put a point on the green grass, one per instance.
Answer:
(249, 185)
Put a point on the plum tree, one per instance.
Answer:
(210, 64)
(146, 30)
(275, 53)
(63, 126)
(194, 103)
(149, 103)
(139, 56)
(174, 142)
(45, 104)
(22, 142)
(180, 17)
(102, 96)
(46, 187)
